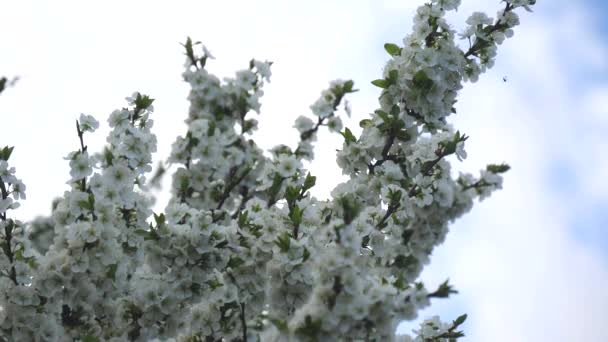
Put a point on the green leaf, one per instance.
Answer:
(393, 75)
(381, 83)
(159, 219)
(211, 128)
(305, 255)
(214, 284)
(384, 116)
(458, 321)
(402, 135)
(348, 136)
(32, 263)
(274, 189)
(351, 208)
(348, 87)
(142, 232)
(248, 125)
(108, 156)
(406, 236)
(84, 205)
(142, 102)
(222, 244)
(19, 255)
(365, 123)
(147, 234)
(88, 204)
(243, 218)
(89, 338)
(280, 324)
(291, 194)
(235, 262)
(111, 271)
(395, 110)
(309, 182)
(400, 283)
(444, 290)
(189, 49)
(394, 196)
(403, 261)
(6, 152)
(283, 241)
(498, 168)
(310, 329)
(421, 80)
(392, 49)
(296, 215)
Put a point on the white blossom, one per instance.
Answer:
(242, 244)
(88, 123)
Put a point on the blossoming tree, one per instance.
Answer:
(242, 251)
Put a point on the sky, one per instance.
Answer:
(530, 262)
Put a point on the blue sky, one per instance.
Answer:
(530, 262)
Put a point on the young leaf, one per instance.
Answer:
(384, 116)
(365, 123)
(6, 152)
(381, 83)
(498, 168)
(348, 87)
(392, 49)
(309, 182)
(458, 321)
(393, 75)
(422, 80)
(348, 136)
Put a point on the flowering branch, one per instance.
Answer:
(243, 251)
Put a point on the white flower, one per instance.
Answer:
(479, 18)
(119, 119)
(392, 172)
(18, 189)
(324, 106)
(444, 194)
(245, 79)
(131, 99)
(334, 124)
(448, 5)
(88, 123)
(303, 124)
(80, 165)
(7, 175)
(427, 57)
(199, 128)
(207, 53)
(461, 154)
(118, 177)
(511, 19)
(287, 165)
(263, 68)
(347, 108)
(175, 212)
(6, 204)
(490, 177)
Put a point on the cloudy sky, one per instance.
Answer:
(530, 262)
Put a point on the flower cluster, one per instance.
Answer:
(243, 251)
(434, 330)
